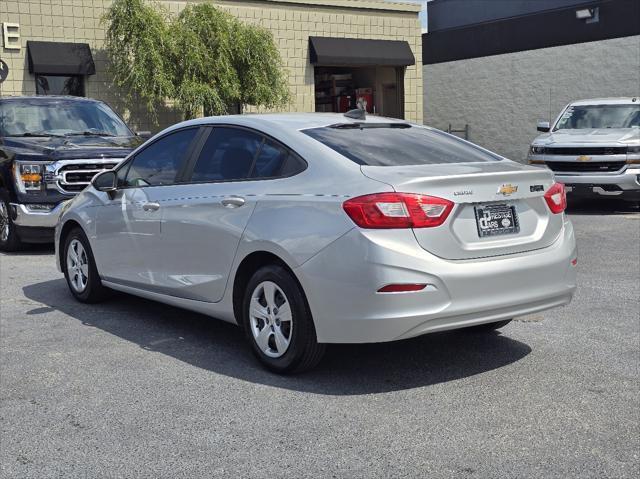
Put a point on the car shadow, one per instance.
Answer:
(346, 369)
(601, 206)
(32, 249)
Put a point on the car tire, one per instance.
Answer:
(79, 268)
(278, 323)
(9, 239)
(487, 327)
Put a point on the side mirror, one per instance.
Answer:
(543, 126)
(145, 135)
(106, 181)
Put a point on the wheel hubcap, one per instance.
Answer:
(77, 266)
(4, 222)
(270, 319)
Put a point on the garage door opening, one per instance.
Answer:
(351, 73)
(379, 90)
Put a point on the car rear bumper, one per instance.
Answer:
(623, 184)
(341, 284)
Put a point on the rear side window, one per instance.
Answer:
(397, 145)
(236, 154)
(228, 154)
(275, 160)
(160, 162)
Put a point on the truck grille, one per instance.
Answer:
(587, 166)
(588, 150)
(73, 178)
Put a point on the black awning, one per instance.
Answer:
(57, 58)
(357, 52)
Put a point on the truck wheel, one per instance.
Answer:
(9, 240)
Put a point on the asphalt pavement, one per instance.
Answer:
(132, 388)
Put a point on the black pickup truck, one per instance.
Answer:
(50, 149)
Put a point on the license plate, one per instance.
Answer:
(494, 220)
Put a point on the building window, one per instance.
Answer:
(60, 85)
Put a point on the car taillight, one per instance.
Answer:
(397, 210)
(556, 197)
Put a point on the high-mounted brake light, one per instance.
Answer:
(556, 198)
(397, 210)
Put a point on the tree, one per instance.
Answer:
(140, 51)
(205, 59)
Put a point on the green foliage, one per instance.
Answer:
(206, 75)
(204, 59)
(262, 75)
(139, 48)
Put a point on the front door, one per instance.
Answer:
(128, 225)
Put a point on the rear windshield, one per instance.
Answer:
(397, 145)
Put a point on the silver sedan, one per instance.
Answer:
(308, 229)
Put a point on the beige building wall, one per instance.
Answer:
(291, 21)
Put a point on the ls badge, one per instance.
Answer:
(507, 190)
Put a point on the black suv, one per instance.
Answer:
(50, 149)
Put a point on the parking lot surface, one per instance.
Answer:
(132, 388)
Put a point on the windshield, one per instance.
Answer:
(59, 118)
(599, 116)
(377, 144)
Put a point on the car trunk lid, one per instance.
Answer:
(479, 190)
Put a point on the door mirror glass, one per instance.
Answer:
(543, 126)
(105, 181)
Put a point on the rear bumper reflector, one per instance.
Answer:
(402, 288)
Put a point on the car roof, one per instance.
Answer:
(286, 121)
(608, 101)
(49, 98)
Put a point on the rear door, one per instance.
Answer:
(128, 225)
(202, 227)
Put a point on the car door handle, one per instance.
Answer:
(232, 202)
(151, 206)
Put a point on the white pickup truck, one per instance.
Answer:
(593, 147)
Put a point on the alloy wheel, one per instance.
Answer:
(270, 319)
(77, 266)
(5, 223)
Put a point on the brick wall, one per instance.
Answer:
(292, 22)
(501, 97)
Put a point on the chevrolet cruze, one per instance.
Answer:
(309, 229)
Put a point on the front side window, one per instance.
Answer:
(397, 144)
(59, 117)
(599, 116)
(60, 85)
(159, 163)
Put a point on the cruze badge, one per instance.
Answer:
(584, 158)
(463, 193)
(506, 190)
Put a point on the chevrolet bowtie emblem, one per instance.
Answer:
(584, 158)
(507, 190)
